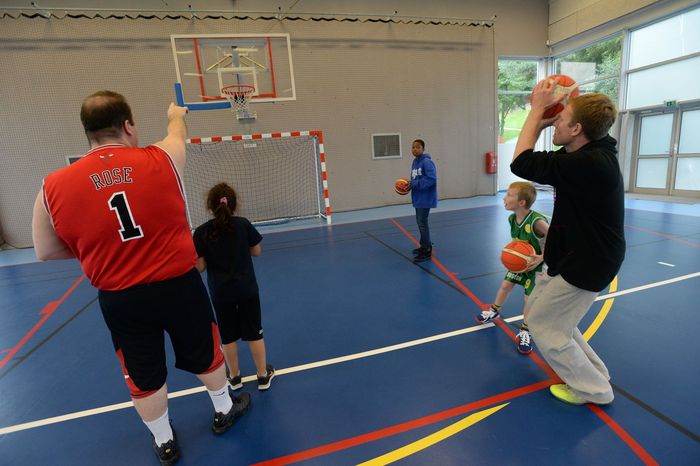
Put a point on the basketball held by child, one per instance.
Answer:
(565, 85)
(517, 256)
(402, 186)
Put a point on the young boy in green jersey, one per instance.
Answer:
(526, 225)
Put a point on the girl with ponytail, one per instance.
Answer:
(225, 245)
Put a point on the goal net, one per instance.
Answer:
(278, 177)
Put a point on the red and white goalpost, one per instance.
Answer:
(278, 176)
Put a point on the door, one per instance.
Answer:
(667, 152)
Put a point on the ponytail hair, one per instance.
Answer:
(221, 201)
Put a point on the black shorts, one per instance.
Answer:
(137, 318)
(239, 319)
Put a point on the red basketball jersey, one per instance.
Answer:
(121, 211)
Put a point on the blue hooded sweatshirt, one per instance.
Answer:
(423, 182)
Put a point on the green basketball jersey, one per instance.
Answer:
(525, 231)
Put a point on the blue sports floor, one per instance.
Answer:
(379, 360)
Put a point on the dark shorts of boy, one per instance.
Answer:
(138, 318)
(239, 320)
(524, 279)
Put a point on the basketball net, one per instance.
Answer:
(239, 96)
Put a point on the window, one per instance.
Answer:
(672, 81)
(596, 68)
(664, 62)
(672, 38)
(516, 79)
(386, 146)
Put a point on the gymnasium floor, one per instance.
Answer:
(378, 359)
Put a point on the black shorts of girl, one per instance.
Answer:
(138, 318)
(239, 319)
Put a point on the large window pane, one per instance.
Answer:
(655, 137)
(601, 60)
(651, 173)
(671, 38)
(516, 79)
(688, 174)
(674, 81)
(690, 132)
(609, 87)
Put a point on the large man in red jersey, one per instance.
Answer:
(120, 211)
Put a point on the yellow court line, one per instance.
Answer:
(432, 439)
(607, 305)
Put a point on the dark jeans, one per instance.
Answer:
(423, 228)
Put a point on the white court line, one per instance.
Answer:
(289, 370)
(326, 362)
(666, 264)
(650, 285)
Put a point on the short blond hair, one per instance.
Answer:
(526, 192)
(595, 112)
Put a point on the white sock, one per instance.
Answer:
(221, 399)
(160, 428)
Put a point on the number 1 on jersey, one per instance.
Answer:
(129, 229)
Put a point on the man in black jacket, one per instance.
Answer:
(585, 246)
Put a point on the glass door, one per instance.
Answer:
(667, 153)
(686, 179)
(655, 135)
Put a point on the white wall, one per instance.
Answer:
(434, 82)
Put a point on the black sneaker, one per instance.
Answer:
(417, 250)
(222, 422)
(169, 452)
(236, 382)
(424, 255)
(264, 382)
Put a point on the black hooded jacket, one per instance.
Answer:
(586, 238)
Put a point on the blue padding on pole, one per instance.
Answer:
(178, 95)
(199, 106)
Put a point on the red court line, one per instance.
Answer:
(459, 284)
(406, 426)
(636, 448)
(534, 356)
(47, 312)
(627, 438)
(662, 235)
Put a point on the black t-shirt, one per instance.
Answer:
(586, 238)
(230, 273)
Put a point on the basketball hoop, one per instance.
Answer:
(239, 96)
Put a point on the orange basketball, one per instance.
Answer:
(566, 85)
(402, 186)
(516, 255)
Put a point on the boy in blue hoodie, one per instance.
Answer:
(423, 196)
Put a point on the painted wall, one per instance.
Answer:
(435, 82)
(576, 22)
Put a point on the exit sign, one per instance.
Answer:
(670, 103)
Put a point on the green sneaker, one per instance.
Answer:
(565, 394)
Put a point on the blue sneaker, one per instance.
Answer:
(524, 342)
(488, 315)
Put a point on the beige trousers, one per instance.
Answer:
(556, 308)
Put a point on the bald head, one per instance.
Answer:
(103, 115)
